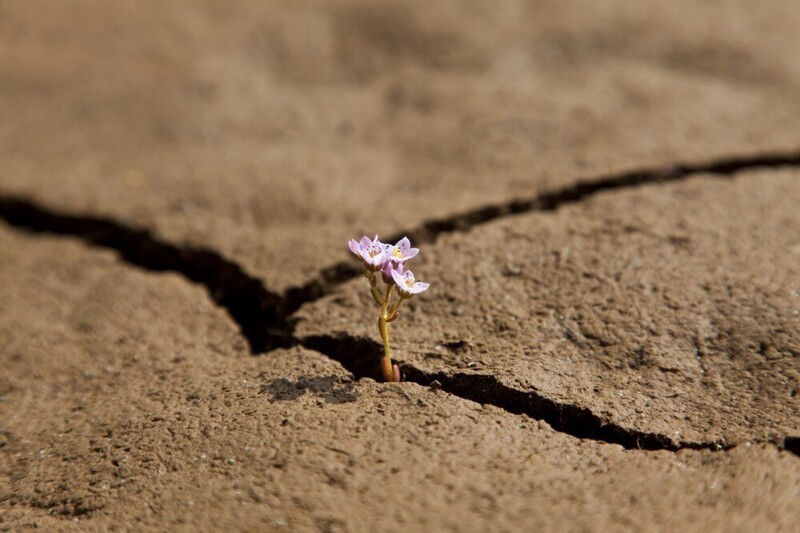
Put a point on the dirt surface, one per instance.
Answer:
(605, 194)
(164, 420)
(671, 310)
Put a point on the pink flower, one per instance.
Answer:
(389, 259)
(407, 286)
(388, 268)
(401, 252)
(370, 252)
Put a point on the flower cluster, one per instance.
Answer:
(390, 261)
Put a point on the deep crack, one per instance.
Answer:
(259, 313)
(792, 444)
(429, 231)
(357, 355)
(265, 317)
(550, 201)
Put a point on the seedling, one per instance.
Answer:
(388, 261)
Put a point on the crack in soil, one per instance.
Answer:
(265, 318)
(430, 231)
(791, 444)
(553, 200)
(356, 354)
(259, 313)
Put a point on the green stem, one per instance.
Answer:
(376, 292)
(395, 307)
(383, 326)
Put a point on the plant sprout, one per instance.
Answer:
(389, 261)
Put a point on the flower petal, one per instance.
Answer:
(419, 287)
(411, 252)
(353, 245)
(387, 269)
(403, 244)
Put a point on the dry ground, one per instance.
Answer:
(606, 198)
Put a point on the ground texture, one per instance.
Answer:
(606, 197)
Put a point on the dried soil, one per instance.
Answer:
(606, 193)
(669, 311)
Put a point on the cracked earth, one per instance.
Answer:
(605, 196)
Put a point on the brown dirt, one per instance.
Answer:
(606, 193)
(670, 310)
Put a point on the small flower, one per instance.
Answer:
(370, 252)
(388, 268)
(389, 260)
(407, 286)
(402, 251)
(355, 246)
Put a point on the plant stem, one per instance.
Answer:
(376, 292)
(386, 362)
(393, 310)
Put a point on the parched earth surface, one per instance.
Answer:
(606, 197)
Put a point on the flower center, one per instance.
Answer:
(397, 252)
